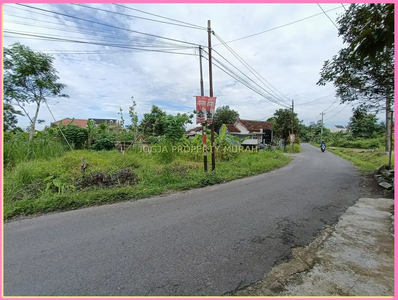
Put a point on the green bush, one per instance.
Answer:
(103, 143)
(76, 135)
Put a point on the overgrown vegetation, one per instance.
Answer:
(46, 185)
(366, 162)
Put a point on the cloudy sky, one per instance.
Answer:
(99, 53)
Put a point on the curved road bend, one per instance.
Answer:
(207, 242)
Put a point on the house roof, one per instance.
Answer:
(77, 122)
(232, 128)
(199, 128)
(255, 125)
(339, 126)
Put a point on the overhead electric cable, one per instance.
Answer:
(315, 100)
(254, 72)
(147, 19)
(166, 18)
(328, 16)
(281, 26)
(237, 78)
(92, 43)
(338, 112)
(248, 76)
(107, 25)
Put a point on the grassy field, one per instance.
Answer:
(57, 184)
(366, 162)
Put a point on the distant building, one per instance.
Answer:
(257, 131)
(337, 128)
(191, 133)
(67, 121)
(83, 122)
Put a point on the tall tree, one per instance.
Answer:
(9, 117)
(152, 123)
(29, 77)
(283, 123)
(362, 124)
(364, 70)
(224, 115)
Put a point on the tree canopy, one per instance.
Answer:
(29, 77)
(224, 115)
(364, 70)
(283, 123)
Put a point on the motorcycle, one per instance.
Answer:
(323, 148)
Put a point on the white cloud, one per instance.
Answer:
(102, 79)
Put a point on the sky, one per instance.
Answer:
(98, 52)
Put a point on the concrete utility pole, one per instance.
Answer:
(322, 124)
(202, 93)
(292, 122)
(213, 154)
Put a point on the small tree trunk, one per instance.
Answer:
(33, 123)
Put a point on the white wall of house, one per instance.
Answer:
(334, 129)
(242, 129)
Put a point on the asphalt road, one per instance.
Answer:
(204, 242)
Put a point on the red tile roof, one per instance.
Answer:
(77, 122)
(255, 125)
(231, 128)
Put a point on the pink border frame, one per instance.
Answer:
(176, 2)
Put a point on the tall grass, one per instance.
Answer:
(21, 150)
(155, 176)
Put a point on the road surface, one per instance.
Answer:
(205, 242)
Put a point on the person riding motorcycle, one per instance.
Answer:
(323, 145)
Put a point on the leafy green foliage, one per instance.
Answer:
(283, 123)
(29, 77)
(9, 117)
(75, 135)
(152, 123)
(224, 115)
(174, 126)
(364, 125)
(369, 78)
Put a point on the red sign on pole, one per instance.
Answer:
(201, 102)
(205, 108)
(210, 108)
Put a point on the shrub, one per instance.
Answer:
(103, 143)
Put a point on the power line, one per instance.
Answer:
(244, 82)
(104, 35)
(331, 104)
(107, 25)
(91, 43)
(244, 74)
(338, 112)
(281, 26)
(315, 99)
(328, 16)
(144, 12)
(147, 19)
(343, 7)
(256, 74)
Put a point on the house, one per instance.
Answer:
(257, 131)
(100, 121)
(66, 121)
(337, 128)
(191, 133)
(83, 122)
